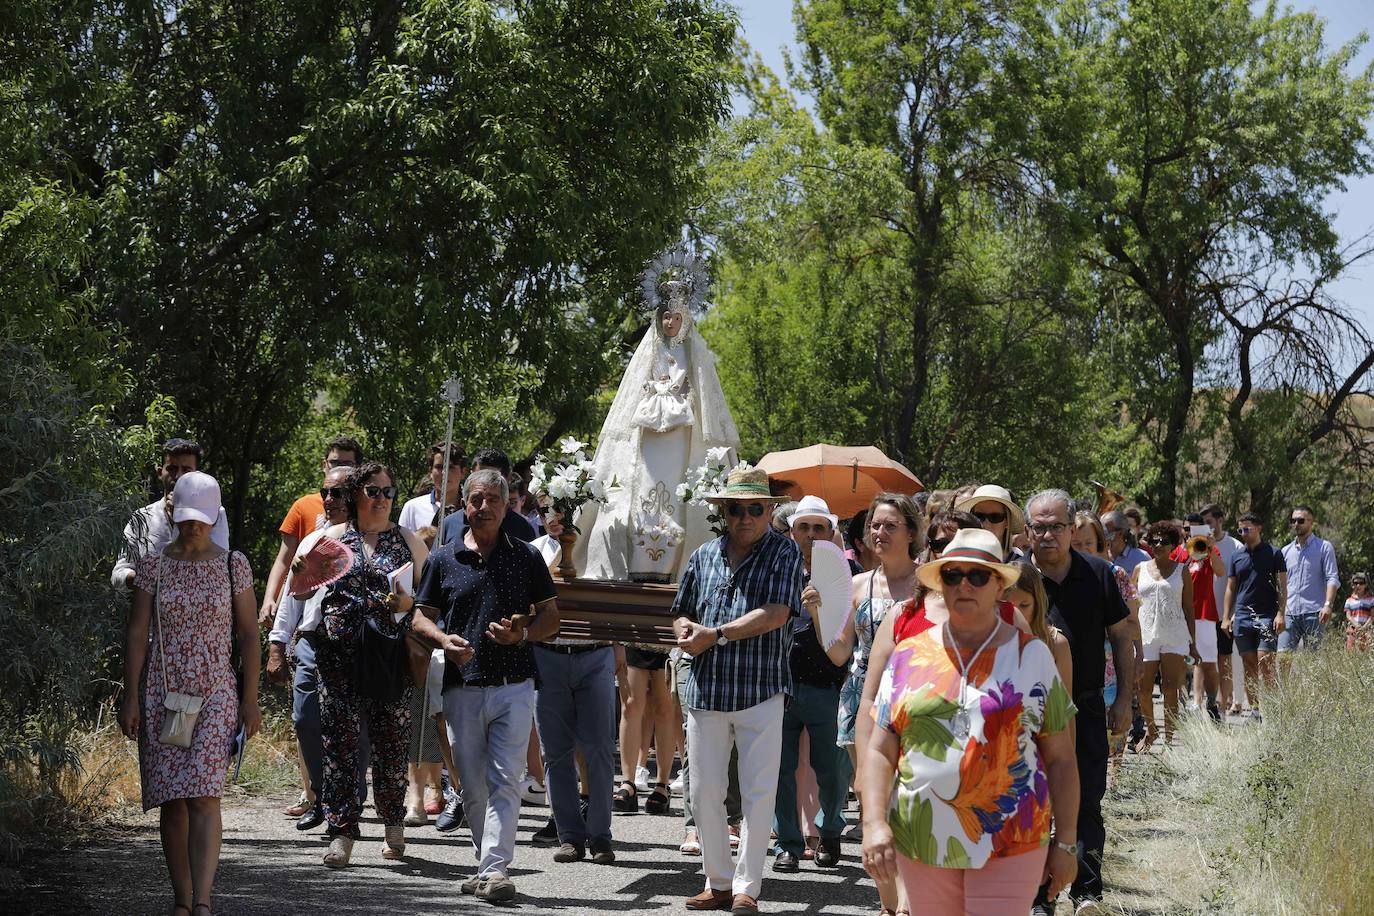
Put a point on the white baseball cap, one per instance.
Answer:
(196, 498)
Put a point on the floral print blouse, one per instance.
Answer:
(956, 804)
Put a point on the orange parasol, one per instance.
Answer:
(847, 477)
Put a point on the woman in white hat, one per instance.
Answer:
(191, 596)
(997, 512)
(976, 714)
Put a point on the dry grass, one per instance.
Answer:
(104, 788)
(1259, 818)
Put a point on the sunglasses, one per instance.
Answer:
(735, 510)
(375, 492)
(339, 462)
(1161, 542)
(976, 577)
(992, 518)
(332, 492)
(1297, 521)
(1358, 582)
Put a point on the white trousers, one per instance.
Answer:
(757, 732)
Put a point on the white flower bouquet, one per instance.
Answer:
(566, 481)
(707, 480)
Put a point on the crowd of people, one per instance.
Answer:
(996, 655)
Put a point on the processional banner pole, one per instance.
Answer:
(452, 393)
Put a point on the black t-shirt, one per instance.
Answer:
(1257, 574)
(807, 659)
(1083, 606)
(514, 524)
(471, 593)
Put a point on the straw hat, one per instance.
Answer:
(748, 484)
(990, 492)
(974, 547)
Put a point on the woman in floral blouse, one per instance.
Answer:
(971, 761)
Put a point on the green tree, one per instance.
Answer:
(272, 200)
(1182, 136)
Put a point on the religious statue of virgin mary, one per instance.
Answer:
(668, 411)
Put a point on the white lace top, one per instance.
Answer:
(1161, 606)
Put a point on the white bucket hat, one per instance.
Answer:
(813, 507)
(973, 546)
(195, 498)
(991, 492)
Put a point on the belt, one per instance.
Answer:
(575, 650)
(496, 681)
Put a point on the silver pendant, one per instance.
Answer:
(960, 725)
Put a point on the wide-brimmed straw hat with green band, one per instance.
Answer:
(748, 484)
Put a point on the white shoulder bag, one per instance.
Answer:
(180, 710)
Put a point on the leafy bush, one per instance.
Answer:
(64, 499)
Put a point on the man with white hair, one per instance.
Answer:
(813, 705)
(1086, 604)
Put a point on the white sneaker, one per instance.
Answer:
(642, 779)
(532, 791)
(676, 785)
(1091, 907)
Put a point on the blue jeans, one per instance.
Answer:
(489, 731)
(575, 708)
(1301, 631)
(816, 710)
(305, 715)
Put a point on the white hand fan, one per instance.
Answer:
(830, 576)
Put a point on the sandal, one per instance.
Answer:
(340, 851)
(626, 798)
(300, 807)
(691, 846)
(658, 800)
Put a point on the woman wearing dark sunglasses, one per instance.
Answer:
(1167, 628)
(970, 762)
(379, 548)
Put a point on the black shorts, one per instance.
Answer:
(645, 660)
(1225, 643)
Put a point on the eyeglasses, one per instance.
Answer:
(735, 510)
(938, 545)
(1056, 528)
(332, 492)
(992, 518)
(976, 577)
(376, 492)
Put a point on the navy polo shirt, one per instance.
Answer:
(1083, 606)
(471, 593)
(1256, 571)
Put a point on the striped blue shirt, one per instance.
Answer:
(740, 674)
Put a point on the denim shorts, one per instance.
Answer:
(1302, 631)
(1255, 634)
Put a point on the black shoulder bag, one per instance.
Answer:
(379, 660)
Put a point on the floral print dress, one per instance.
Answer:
(957, 804)
(194, 610)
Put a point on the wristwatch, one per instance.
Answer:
(1070, 848)
(720, 636)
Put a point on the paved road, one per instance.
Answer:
(269, 868)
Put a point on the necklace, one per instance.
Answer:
(960, 722)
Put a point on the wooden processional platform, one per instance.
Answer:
(605, 610)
